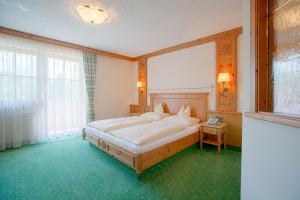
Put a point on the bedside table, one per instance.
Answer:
(136, 114)
(219, 130)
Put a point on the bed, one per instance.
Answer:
(141, 157)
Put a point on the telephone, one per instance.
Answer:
(213, 120)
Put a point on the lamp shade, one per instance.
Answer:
(91, 13)
(224, 77)
(139, 84)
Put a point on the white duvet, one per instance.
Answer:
(108, 125)
(147, 133)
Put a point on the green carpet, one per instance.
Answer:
(73, 169)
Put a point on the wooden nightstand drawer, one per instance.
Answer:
(210, 130)
(136, 114)
(218, 134)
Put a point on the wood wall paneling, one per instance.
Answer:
(226, 59)
(234, 121)
(142, 76)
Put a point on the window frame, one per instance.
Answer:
(261, 87)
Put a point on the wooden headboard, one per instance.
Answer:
(172, 102)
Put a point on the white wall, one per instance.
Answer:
(115, 87)
(270, 161)
(189, 70)
(271, 153)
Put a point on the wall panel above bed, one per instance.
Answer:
(186, 70)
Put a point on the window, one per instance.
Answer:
(42, 89)
(17, 76)
(278, 56)
(64, 95)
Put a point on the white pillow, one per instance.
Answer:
(185, 121)
(155, 107)
(154, 115)
(187, 111)
(184, 111)
(181, 111)
(159, 108)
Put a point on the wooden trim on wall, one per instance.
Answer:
(203, 40)
(61, 43)
(192, 43)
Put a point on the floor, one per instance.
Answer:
(73, 169)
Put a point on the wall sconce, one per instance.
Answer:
(139, 85)
(224, 78)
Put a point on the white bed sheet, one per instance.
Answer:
(145, 147)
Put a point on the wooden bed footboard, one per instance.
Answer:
(142, 161)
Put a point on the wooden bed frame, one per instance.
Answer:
(172, 103)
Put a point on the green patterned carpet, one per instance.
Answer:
(73, 169)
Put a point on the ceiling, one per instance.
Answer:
(136, 27)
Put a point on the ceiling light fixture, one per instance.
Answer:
(91, 13)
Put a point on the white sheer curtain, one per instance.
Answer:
(287, 85)
(42, 92)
